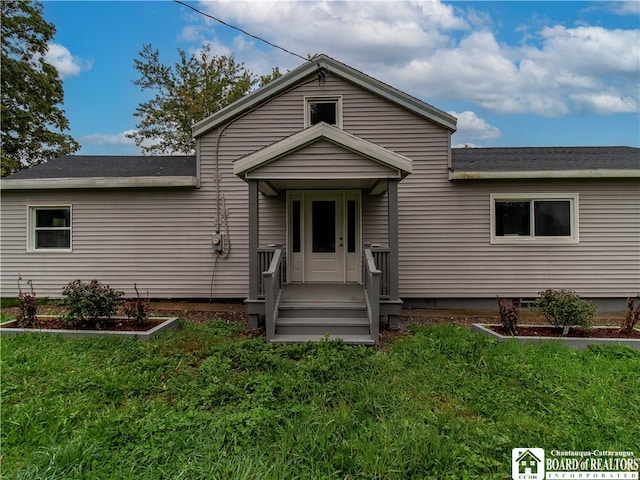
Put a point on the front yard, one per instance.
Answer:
(208, 401)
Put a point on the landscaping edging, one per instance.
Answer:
(577, 343)
(169, 323)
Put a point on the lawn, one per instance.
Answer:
(208, 402)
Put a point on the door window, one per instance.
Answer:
(324, 226)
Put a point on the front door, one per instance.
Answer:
(324, 233)
(324, 238)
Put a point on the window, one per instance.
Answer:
(49, 228)
(295, 226)
(545, 218)
(323, 109)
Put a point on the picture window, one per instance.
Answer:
(520, 218)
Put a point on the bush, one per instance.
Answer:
(89, 301)
(509, 316)
(137, 309)
(633, 315)
(28, 306)
(564, 308)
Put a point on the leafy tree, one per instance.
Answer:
(194, 88)
(32, 121)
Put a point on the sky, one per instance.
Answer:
(518, 73)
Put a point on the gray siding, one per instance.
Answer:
(449, 253)
(160, 239)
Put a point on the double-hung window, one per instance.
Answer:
(541, 218)
(49, 228)
(323, 109)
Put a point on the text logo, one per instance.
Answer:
(527, 464)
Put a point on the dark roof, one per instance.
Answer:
(545, 158)
(86, 166)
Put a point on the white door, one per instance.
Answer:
(324, 239)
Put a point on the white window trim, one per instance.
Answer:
(532, 239)
(31, 229)
(337, 99)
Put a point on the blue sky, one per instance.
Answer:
(514, 73)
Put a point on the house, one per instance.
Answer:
(528, 463)
(326, 199)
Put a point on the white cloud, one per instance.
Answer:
(107, 140)
(605, 103)
(627, 7)
(68, 65)
(472, 127)
(114, 144)
(442, 52)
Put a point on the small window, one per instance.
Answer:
(540, 218)
(50, 228)
(323, 109)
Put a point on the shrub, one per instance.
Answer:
(633, 315)
(89, 301)
(564, 308)
(27, 305)
(509, 315)
(137, 309)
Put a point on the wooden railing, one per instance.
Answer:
(372, 293)
(381, 259)
(272, 280)
(265, 255)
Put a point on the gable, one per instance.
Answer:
(328, 134)
(322, 155)
(318, 68)
(323, 159)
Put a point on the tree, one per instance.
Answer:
(32, 120)
(194, 88)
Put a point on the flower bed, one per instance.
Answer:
(117, 326)
(577, 338)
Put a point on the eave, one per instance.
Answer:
(98, 182)
(540, 174)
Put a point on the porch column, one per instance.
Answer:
(254, 229)
(392, 212)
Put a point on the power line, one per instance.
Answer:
(241, 30)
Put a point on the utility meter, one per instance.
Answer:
(217, 242)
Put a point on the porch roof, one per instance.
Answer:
(323, 156)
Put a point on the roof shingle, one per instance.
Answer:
(545, 158)
(87, 166)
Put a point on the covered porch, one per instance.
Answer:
(327, 277)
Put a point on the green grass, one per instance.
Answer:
(203, 402)
(7, 302)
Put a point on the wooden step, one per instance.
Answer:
(323, 325)
(303, 338)
(324, 310)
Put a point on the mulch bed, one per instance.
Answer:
(574, 332)
(112, 324)
(200, 313)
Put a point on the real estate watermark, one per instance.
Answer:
(536, 464)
